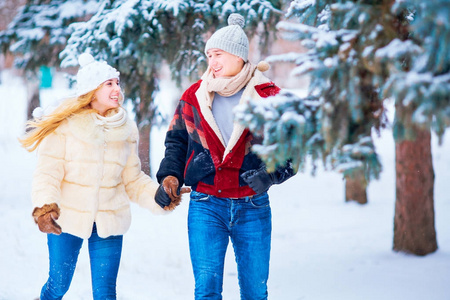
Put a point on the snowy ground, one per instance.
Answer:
(323, 248)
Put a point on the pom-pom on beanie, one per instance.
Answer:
(231, 39)
(92, 73)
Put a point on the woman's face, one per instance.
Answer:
(107, 96)
(224, 64)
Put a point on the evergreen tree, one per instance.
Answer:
(421, 89)
(137, 37)
(342, 84)
(361, 52)
(38, 33)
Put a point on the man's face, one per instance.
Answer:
(224, 64)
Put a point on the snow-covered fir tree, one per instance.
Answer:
(38, 33)
(360, 54)
(419, 82)
(337, 34)
(138, 36)
(421, 87)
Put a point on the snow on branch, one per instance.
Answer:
(299, 5)
(288, 126)
(286, 57)
(296, 27)
(397, 49)
(358, 156)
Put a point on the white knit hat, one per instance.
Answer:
(231, 39)
(92, 73)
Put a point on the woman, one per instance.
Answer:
(88, 170)
(208, 151)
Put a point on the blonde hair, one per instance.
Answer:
(39, 128)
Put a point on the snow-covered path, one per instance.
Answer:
(322, 247)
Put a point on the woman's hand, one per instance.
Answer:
(46, 216)
(168, 195)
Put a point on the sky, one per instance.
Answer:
(322, 247)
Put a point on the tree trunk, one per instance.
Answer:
(144, 118)
(33, 99)
(355, 187)
(144, 147)
(414, 230)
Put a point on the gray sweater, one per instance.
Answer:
(222, 109)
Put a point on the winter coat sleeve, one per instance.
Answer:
(176, 143)
(139, 186)
(49, 173)
(283, 173)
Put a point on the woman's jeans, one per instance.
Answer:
(212, 221)
(104, 254)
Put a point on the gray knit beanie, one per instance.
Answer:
(231, 39)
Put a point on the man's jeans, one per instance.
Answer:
(248, 222)
(104, 254)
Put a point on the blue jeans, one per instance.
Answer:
(104, 254)
(212, 221)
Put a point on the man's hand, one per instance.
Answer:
(45, 218)
(259, 180)
(168, 195)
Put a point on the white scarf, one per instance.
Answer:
(115, 118)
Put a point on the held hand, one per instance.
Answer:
(259, 180)
(45, 218)
(168, 195)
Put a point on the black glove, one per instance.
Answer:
(161, 197)
(168, 194)
(259, 180)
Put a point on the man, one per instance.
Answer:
(206, 150)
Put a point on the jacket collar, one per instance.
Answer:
(88, 128)
(204, 100)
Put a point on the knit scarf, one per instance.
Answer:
(115, 118)
(228, 86)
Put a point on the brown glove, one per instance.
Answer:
(168, 195)
(45, 217)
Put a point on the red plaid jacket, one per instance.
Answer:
(196, 155)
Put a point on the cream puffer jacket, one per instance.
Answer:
(92, 171)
